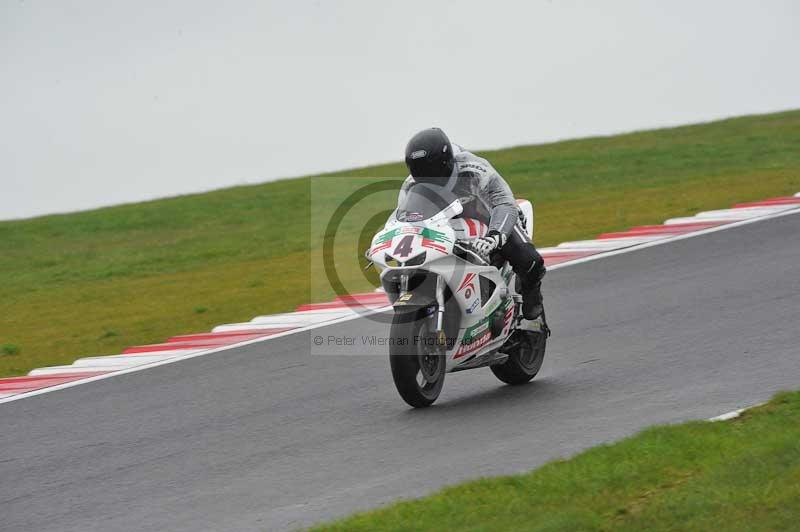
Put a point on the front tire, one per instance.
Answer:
(417, 359)
(525, 358)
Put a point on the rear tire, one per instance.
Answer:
(418, 367)
(525, 358)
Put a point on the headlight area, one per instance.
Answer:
(417, 260)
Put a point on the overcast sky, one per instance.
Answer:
(103, 102)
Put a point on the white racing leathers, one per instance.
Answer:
(483, 193)
(486, 196)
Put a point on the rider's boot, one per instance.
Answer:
(528, 264)
(532, 306)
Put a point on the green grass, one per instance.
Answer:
(736, 475)
(143, 271)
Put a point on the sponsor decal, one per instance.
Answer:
(478, 167)
(474, 306)
(418, 154)
(478, 329)
(403, 299)
(467, 348)
(479, 335)
(468, 282)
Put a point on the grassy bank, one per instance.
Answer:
(736, 475)
(94, 282)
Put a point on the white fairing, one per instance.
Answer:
(402, 242)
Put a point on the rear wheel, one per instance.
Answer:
(416, 356)
(525, 356)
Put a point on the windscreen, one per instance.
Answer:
(423, 201)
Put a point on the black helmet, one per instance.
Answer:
(429, 156)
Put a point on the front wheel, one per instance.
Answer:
(525, 356)
(417, 359)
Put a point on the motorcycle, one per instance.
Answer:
(453, 308)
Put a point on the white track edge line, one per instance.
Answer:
(597, 256)
(634, 247)
(178, 358)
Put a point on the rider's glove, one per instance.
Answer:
(486, 244)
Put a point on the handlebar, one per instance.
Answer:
(466, 247)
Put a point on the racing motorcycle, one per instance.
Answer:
(454, 309)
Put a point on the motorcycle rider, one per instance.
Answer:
(432, 158)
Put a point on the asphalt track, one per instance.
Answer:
(269, 437)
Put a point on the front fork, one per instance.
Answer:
(439, 306)
(440, 287)
(437, 331)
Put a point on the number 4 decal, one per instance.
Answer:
(403, 248)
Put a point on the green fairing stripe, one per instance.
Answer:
(387, 236)
(436, 236)
(430, 234)
(468, 334)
